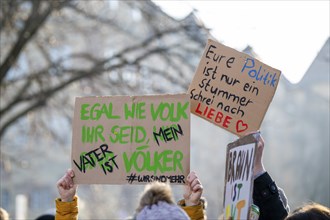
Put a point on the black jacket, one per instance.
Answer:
(266, 197)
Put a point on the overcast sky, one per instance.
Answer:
(286, 35)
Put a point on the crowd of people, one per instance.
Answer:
(4, 215)
(157, 201)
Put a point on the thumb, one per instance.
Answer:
(187, 192)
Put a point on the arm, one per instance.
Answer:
(67, 204)
(192, 203)
(266, 195)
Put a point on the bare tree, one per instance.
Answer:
(55, 50)
(65, 46)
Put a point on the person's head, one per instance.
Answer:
(46, 217)
(157, 202)
(310, 211)
(3, 214)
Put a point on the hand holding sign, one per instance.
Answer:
(66, 188)
(193, 190)
(258, 168)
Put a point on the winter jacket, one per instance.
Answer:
(69, 210)
(197, 212)
(270, 199)
(66, 210)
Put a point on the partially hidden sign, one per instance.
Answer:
(239, 178)
(131, 139)
(232, 89)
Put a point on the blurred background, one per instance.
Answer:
(53, 51)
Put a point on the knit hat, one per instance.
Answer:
(157, 203)
(162, 210)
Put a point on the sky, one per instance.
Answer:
(286, 35)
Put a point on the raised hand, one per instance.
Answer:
(193, 190)
(66, 188)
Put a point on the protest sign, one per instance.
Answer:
(239, 178)
(232, 89)
(131, 139)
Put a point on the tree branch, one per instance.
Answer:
(32, 25)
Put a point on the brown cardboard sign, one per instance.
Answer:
(131, 139)
(239, 178)
(232, 89)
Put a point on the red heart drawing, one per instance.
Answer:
(241, 126)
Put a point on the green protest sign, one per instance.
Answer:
(131, 139)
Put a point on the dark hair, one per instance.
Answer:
(310, 211)
(46, 217)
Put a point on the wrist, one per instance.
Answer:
(191, 203)
(258, 168)
(258, 172)
(67, 199)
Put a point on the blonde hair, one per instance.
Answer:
(155, 192)
(310, 211)
(3, 214)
